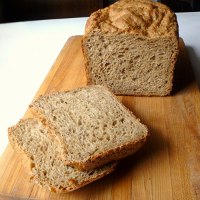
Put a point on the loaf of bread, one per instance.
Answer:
(132, 47)
(48, 170)
(93, 127)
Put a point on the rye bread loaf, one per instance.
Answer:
(93, 127)
(132, 47)
(48, 170)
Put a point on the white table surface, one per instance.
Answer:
(29, 49)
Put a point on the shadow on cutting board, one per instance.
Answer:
(195, 62)
(151, 111)
(183, 74)
(155, 146)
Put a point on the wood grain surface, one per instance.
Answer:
(167, 167)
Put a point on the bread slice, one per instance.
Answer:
(48, 170)
(132, 47)
(93, 127)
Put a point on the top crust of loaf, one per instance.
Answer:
(139, 17)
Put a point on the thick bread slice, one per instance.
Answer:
(132, 47)
(48, 170)
(92, 125)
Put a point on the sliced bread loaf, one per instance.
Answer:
(132, 47)
(48, 170)
(93, 127)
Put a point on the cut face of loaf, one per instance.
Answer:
(131, 65)
(93, 127)
(131, 47)
(47, 168)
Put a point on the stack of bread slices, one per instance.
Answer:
(76, 137)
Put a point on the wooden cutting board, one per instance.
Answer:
(167, 167)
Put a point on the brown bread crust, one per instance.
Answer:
(144, 19)
(139, 17)
(110, 155)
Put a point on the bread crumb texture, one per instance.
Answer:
(48, 169)
(90, 122)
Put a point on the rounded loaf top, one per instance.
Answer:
(138, 17)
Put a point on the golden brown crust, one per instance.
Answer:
(115, 154)
(79, 185)
(139, 17)
(74, 183)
